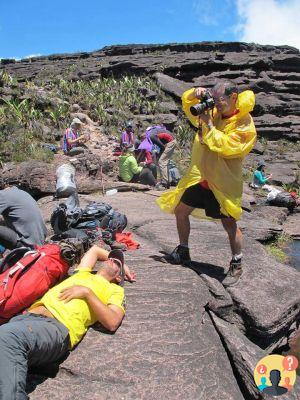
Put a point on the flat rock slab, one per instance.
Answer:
(244, 354)
(292, 226)
(266, 300)
(167, 346)
(263, 223)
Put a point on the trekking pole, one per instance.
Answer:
(101, 177)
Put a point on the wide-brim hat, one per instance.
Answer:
(76, 121)
(117, 256)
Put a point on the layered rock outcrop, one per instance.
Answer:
(272, 72)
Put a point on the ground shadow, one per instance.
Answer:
(212, 270)
(33, 380)
(39, 374)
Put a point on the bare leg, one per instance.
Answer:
(182, 212)
(234, 234)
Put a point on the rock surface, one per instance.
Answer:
(168, 346)
(163, 348)
(292, 226)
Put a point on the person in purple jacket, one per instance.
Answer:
(127, 138)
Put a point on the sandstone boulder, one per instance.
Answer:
(170, 85)
(169, 120)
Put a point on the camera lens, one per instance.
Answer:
(198, 109)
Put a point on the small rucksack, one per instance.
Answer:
(95, 211)
(114, 222)
(174, 174)
(284, 199)
(29, 279)
(73, 233)
(63, 219)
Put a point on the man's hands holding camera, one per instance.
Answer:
(205, 116)
(199, 92)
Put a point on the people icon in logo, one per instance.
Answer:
(275, 374)
(275, 389)
(287, 384)
(263, 384)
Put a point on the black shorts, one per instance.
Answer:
(197, 196)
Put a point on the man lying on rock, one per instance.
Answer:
(214, 181)
(57, 322)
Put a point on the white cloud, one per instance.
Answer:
(275, 22)
(209, 12)
(204, 10)
(33, 55)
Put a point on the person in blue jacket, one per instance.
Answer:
(259, 177)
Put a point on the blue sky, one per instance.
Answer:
(31, 27)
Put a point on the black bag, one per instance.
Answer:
(93, 217)
(284, 199)
(75, 234)
(89, 224)
(114, 222)
(59, 220)
(95, 211)
(62, 219)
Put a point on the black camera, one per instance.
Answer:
(206, 103)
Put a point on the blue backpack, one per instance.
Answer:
(173, 173)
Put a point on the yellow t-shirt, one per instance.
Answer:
(76, 315)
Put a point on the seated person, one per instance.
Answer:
(130, 171)
(58, 321)
(145, 156)
(127, 138)
(73, 140)
(24, 224)
(259, 177)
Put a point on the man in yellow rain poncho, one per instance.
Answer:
(213, 182)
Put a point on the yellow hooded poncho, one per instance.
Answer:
(218, 160)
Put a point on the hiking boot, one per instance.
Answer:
(179, 256)
(234, 273)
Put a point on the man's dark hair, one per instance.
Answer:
(230, 87)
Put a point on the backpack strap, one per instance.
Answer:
(12, 257)
(14, 272)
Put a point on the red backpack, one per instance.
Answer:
(29, 279)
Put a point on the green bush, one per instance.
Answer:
(277, 248)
